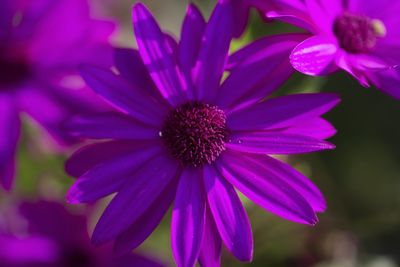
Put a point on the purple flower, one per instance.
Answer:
(183, 137)
(41, 45)
(360, 37)
(46, 234)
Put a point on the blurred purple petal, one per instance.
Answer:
(388, 81)
(9, 135)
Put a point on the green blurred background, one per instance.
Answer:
(360, 179)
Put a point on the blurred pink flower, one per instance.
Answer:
(42, 42)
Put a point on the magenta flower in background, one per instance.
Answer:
(360, 37)
(41, 45)
(46, 234)
(182, 137)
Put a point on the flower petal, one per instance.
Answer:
(136, 196)
(257, 70)
(91, 155)
(138, 232)
(210, 253)
(230, 216)
(54, 108)
(157, 55)
(189, 46)
(388, 81)
(110, 125)
(275, 143)
(82, 38)
(265, 188)
(295, 179)
(132, 259)
(6, 13)
(323, 13)
(214, 52)
(316, 128)
(241, 11)
(188, 219)
(122, 95)
(131, 67)
(192, 32)
(298, 21)
(315, 56)
(282, 112)
(9, 131)
(108, 176)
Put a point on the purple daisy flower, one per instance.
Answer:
(360, 37)
(182, 136)
(41, 45)
(46, 234)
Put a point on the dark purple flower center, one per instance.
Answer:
(195, 133)
(357, 33)
(12, 71)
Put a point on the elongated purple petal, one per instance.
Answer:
(9, 132)
(295, 179)
(189, 47)
(230, 216)
(315, 56)
(122, 95)
(131, 67)
(110, 125)
(145, 225)
(188, 219)
(214, 51)
(136, 196)
(157, 56)
(108, 176)
(275, 143)
(191, 36)
(316, 128)
(210, 253)
(91, 155)
(282, 112)
(257, 70)
(265, 188)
